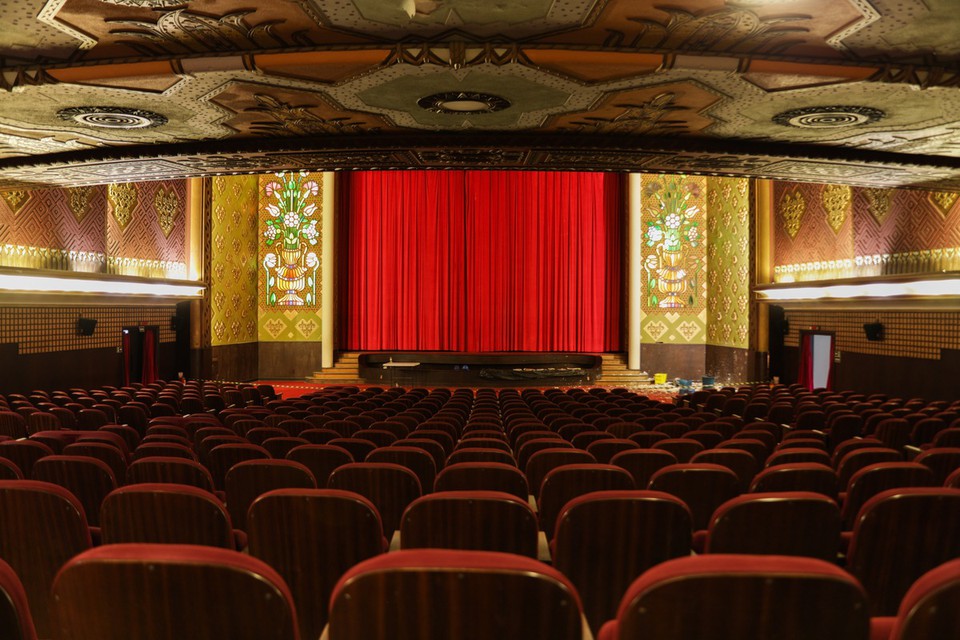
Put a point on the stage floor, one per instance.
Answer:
(296, 389)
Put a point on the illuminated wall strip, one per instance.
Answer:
(919, 288)
(54, 284)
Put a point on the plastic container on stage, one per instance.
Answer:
(709, 382)
(659, 378)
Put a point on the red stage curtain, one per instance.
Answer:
(481, 261)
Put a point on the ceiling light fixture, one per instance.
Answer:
(21, 282)
(112, 117)
(834, 117)
(463, 103)
(937, 288)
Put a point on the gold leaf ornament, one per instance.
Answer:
(792, 207)
(123, 199)
(16, 199)
(167, 205)
(78, 201)
(836, 200)
(944, 201)
(878, 203)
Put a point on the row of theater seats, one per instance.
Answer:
(158, 592)
(512, 428)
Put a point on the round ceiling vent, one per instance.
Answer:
(112, 117)
(828, 117)
(463, 102)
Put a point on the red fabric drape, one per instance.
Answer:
(150, 368)
(805, 375)
(125, 341)
(481, 261)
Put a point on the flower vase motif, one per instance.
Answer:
(291, 272)
(672, 279)
(671, 228)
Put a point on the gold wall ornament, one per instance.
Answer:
(123, 199)
(943, 200)
(792, 208)
(78, 201)
(167, 205)
(16, 199)
(836, 200)
(878, 203)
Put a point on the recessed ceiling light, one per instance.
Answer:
(112, 117)
(832, 117)
(463, 102)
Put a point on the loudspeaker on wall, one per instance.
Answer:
(873, 331)
(85, 326)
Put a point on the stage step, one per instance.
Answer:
(614, 372)
(346, 370)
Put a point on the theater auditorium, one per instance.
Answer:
(468, 320)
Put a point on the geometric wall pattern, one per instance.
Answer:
(50, 329)
(674, 258)
(913, 334)
(278, 323)
(234, 267)
(728, 262)
(877, 232)
(73, 230)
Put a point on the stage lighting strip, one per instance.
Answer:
(15, 282)
(940, 288)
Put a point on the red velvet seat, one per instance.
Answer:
(899, 535)
(454, 595)
(702, 486)
(413, 458)
(566, 482)
(311, 537)
(875, 478)
(606, 539)
(321, 459)
(166, 513)
(643, 463)
(169, 470)
(43, 526)
(157, 592)
(721, 597)
(482, 476)
(16, 623)
(221, 458)
(89, 479)
(390, 487)
(790, 523)
(470, 520)
(801, 476)
(248, 480)
(929, 609)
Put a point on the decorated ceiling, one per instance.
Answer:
(863, 92)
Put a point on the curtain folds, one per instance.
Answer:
(481, 261)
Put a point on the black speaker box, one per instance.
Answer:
(85, 326)
(873, 331)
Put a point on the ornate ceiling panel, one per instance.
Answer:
(859, 91)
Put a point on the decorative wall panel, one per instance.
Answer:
(77, 229)
(51, 329)
(288, 282)
(886, 232)
(913, 334)
(234, 267)
(674, 297)
(728, 262)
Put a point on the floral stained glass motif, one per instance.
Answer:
(290, 268)
(672, 230)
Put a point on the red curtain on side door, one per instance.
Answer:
(151, 370)
(805, 375)
(481, 261)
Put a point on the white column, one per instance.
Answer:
(634, 269)
(327, 261)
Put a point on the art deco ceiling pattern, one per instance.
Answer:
(856, 91)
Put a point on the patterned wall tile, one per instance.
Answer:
(233, 265)
(912, 334)
(887, 232)
(51, 329)
(675, 272)
(728, 262)
(73, 230)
